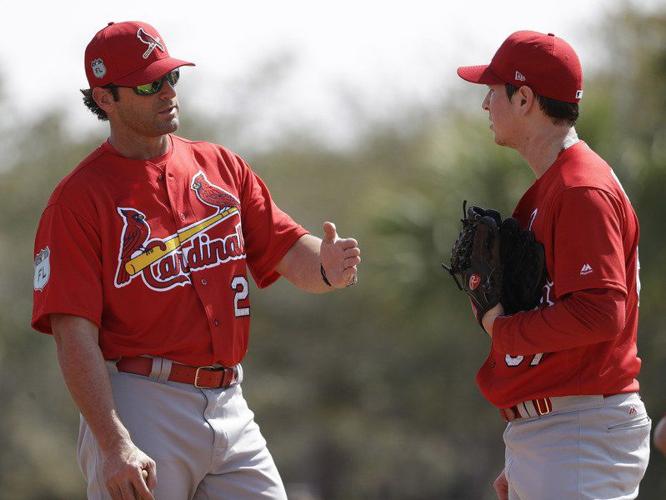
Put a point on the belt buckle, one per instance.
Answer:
(207, 368)
(548, 406)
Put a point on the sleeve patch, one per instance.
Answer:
(42, 269)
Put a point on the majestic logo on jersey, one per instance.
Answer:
(164, 263)
(42, 269)
(152, 42)
(586, 269)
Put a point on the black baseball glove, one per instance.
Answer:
(495, 261)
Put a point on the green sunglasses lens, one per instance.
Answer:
(149, 88)
(154, 87)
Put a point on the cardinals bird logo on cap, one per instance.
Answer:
(149, 40)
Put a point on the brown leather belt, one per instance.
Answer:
(202, 377)
(542, 406)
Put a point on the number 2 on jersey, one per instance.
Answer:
(240, 285)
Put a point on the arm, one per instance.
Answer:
(660, 435)
(591, 227)
(579, 319)
(339, 257)
(87, 379)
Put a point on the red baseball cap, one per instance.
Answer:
(129, 54)
(545, 63)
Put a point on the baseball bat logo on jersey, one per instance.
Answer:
(164, 263)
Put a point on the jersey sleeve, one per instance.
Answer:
(68, 270)
(588, 242)
(579, 319)
(268, 231)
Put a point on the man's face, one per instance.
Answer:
(500, 114)
(146, 115)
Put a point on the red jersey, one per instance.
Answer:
(156, 252)
(582, 339)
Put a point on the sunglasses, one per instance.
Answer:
(154, 87)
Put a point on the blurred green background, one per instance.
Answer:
(367, 393)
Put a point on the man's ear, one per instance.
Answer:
(525, 98)
(104, 98)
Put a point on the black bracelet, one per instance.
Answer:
(323, 275)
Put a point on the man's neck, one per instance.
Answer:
(139, 148)
(542, 149)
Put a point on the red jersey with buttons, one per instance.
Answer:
(589, 230)
(155, 253)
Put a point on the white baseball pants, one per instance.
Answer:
(205, 442)
(599, 452)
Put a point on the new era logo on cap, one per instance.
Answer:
(520, 77)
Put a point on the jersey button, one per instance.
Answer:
(204, 282)
(216, 322)
(182, 216)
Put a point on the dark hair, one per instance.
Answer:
(561, 112)
(92, 105)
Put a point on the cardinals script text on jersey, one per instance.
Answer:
(164, 263)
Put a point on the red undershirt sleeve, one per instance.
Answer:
(581, 318)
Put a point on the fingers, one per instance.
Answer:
(151, 475)
(114, 491)
(136, 485)
(330, 233)
(351, 262)
(141, 489)
(501, 487)
(127, 492)
(350, 276)
(347, 243)
(352, 257)
(352, 252)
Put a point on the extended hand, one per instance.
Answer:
(129, 473)
(339, 257)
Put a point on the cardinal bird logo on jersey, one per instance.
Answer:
(165, 263)
(212, 195)
(135, 234)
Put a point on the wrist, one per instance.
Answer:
(323, 275)
(488, 320)
(114, 440)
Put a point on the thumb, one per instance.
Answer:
(330, 234)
